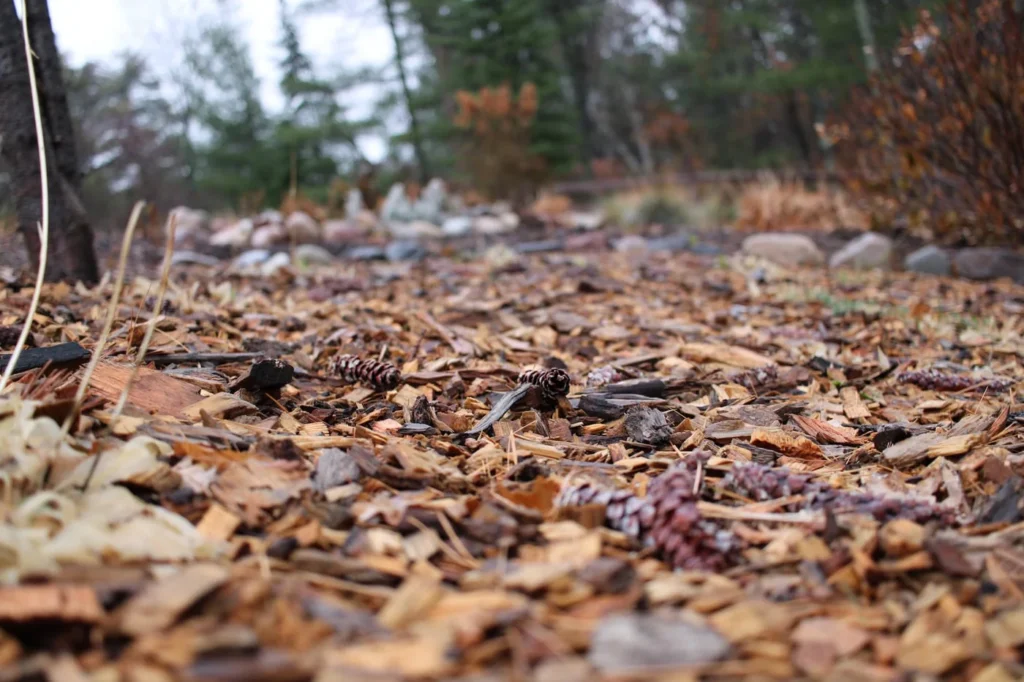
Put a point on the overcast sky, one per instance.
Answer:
(353, 36)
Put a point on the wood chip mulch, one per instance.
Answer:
(556, 467)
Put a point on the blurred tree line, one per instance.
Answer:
(622, 87)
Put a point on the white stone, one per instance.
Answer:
(870, 251)
(456, 226)
(353, 204)
(586, 220)
(784, 249)
(302, 227)
(269, 235)
(312, 254)
(250, 258)
(236, 235)
(631, 243)
(489, 224)
(190, 225)
(275, 263)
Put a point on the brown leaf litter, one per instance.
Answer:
(701, 475)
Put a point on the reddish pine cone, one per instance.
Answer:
(382, 376)
(667, 519)
(760, 482)
(553, 383)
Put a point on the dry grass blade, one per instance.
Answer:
(165, 273)
(97, 352)
(44, 228)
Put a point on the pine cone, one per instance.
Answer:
(554, 383)
(667, 519)
(602, 375)
(760, 482)
(934, 380)
(9, 336)
(382, 376)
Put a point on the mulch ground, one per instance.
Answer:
(747, 473)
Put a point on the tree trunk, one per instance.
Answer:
(417, 138)
(577, 25)
(867, 36)
(71, 253)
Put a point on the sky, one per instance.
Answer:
(353, 36)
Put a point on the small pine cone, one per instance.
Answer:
(9, 334)
(624, 511)
(760, 482)
(602, 375)
(382, 376)
(935, 380)
(757, 378)
(682, 537)
(554, 383)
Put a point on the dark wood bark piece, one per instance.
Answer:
(34, 358)
(264, 375)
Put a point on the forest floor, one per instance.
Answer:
(754, 473)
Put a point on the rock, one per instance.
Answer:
(335, 467)
(396, 207)
(343, 231)
(681, 241)
(456, 226)
(985, 263)
(588, 241)
(930, 260)
(237, 235)
(584, 220)
(430, 206)
(870, 251)
(510, 220)
(501, 257)
(250, 258)
(269, 217)
(404, 250)
(311, 254)
(353, 204)
(193, 258)
(541, 246)
(269, 235)
(366, 253)
(302, 228)
(631, 243)
(784, 248)
(637, 641)
(414, 229)
(190, 225)
(272, 265)
(489, 224)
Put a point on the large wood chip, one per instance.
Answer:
(160, 604)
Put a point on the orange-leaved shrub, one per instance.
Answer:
(939, 137)
(497, 153)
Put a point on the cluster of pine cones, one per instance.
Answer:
(759, 482)
(554, 383)
(667, 519)
(382, 376)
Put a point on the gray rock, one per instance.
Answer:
(189, 224)
(784, 248)
(404, 250)
(353, 204)
(541, 246)
(236, 235)
(311, 254)
(193, 258)
(396, 206)
(489, 224)
(456, 226)
(275, 263)
(870, 251)
(251, 258)
(302, 227)
(335, 467)
(366, 253)
(682, 241)
(635, 641)
(269, 235)
(586, 220)
(631, 243)
(984, 263)
(930, 260)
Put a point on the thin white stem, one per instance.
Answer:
(44, 229)
(165, 274)
(115, 298)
